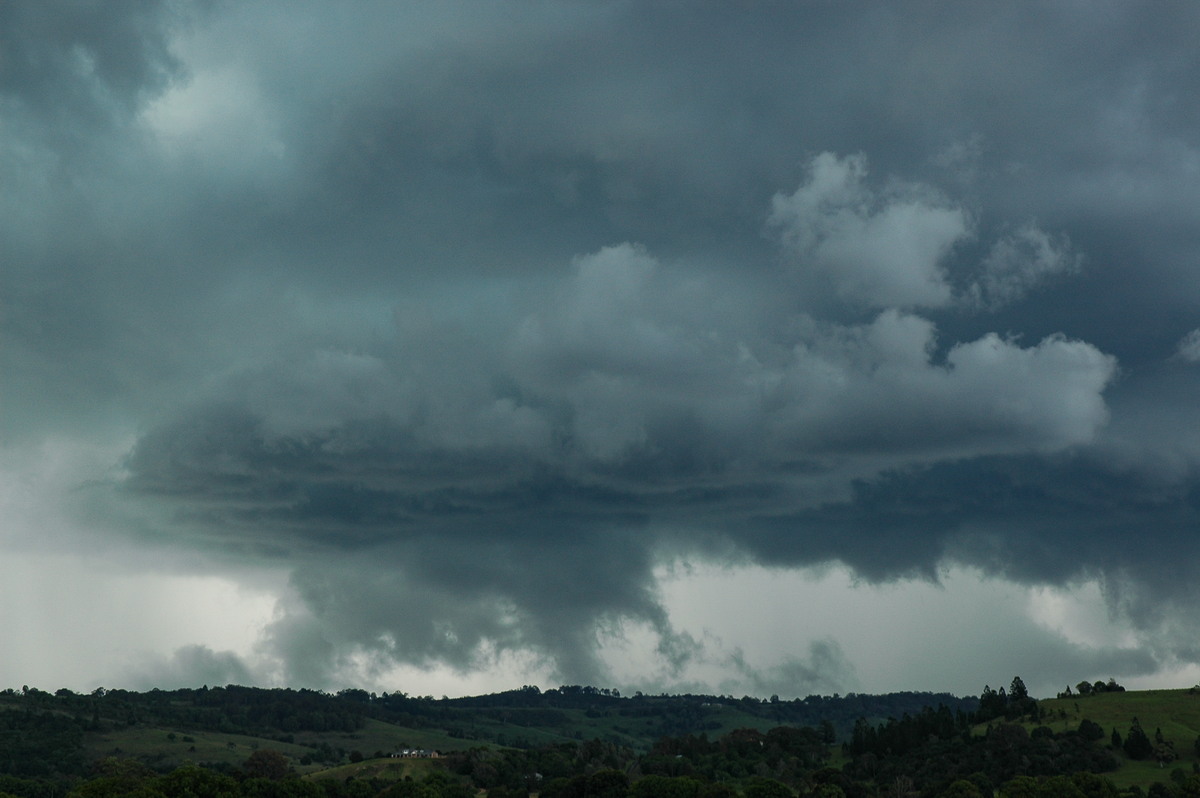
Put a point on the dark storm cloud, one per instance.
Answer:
(471, 316)
(1035, 520)
(513, 492)
(187, 667)
(74, 65)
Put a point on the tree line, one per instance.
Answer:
(962, 749)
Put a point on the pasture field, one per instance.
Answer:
(1176, 713)
(167, 748)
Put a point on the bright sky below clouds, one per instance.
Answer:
(781, 348)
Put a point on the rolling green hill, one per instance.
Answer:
(1176, 713)
(350, 735)
(60, 733)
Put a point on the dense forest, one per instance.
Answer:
(579, 742)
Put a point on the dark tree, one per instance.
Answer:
(665, 787)
(193, 780)
(991, 704)
(1093, 786)
(266, 763)
(963, 788)
(1090, 730)
(718, 790)
(767, 788)
(1019, 787)
(607, 784)
(1059, 787)
(1137, 745)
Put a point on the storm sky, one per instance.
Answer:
(730, 347)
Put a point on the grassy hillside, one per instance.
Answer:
(168, 748)
(572, 730)
(1175, 712)
(381, 769)
(164, 748)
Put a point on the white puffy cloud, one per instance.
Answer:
(880, 249)
(876, 388)
(612, 347)
(1020, 261)
(1188, 347)
(890, 248)
(623, 344)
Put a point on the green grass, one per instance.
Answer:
(375, 735)
(1175, 712)
(154, 746)
(387, 769)
(1142, 774)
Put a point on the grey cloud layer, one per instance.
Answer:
(521, 487)
(487, 313)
